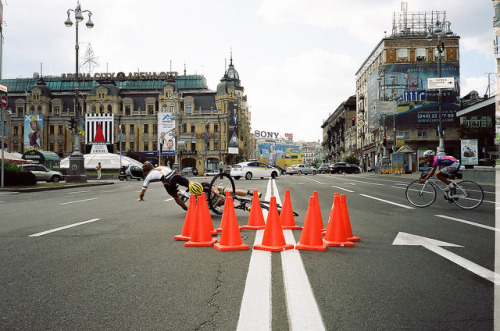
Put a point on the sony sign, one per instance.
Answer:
(266, 134)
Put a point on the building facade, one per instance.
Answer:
(395, 105)
(208, 126)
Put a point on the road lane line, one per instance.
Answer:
(468, 222)
(70, 202)
(303, 311)
(62, 228)
(343, 189)
(76, 192)
(256, 304)
(387, 201)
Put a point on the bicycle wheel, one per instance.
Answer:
(469, 195)
(421, 195)
(220, 184)
(265, 205)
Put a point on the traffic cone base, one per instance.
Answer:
(338, 243)
(223, 248)
(354, 238)
(300, 246)
(207, 243)
(273, 248)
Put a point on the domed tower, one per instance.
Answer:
(231, 102)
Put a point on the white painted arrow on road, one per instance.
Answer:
(436, 246)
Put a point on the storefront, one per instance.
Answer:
(50, 160)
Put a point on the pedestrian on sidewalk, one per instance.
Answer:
(98, 168)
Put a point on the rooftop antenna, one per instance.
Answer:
(488, 89)
(41, 68)
(184, 67)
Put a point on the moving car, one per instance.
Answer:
(301, 169)
(189, 170)
(348, 168)
(130, 172)
(248, 170)
(324, 168)
(43, 174)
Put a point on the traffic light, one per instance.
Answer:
(385, 141)
(353, 119)
(71, 124)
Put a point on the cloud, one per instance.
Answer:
(295, 96)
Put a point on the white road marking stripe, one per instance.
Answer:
(343, 189)
(76, 192)
(387, 201)
(63, 228)
(70, 202)
(468, 222)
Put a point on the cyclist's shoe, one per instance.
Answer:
(247, 208)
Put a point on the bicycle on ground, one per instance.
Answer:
(216, 198)
(467, 194)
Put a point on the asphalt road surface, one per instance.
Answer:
(94, 258)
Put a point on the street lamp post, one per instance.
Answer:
(440, 30)
(76, 162)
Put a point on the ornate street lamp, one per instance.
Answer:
(76, 162)
(440, 30)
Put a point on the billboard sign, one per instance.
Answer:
(166, 133)
(469, 151)
(440, 82)
(33, 132)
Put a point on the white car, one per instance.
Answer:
(43, 174)
(253, 169)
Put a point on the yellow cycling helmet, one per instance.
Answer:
(195, 188)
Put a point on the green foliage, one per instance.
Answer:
(352, 159)
(19, 178)
(12, 167)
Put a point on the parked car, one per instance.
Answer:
(189, 170)
(43, 174)
(301, 169)
(348, 168)
(248, 170)
(130, 172)
(281, 169)
(324, 168)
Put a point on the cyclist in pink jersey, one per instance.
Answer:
(449, 167)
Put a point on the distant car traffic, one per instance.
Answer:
(324, 168)
(344, 167)
(130, 172)
(189, 170)
(487, 162)
(43, 174)
(301, 169)
(249, 170)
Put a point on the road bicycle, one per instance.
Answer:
(221, 185)
(467, 194)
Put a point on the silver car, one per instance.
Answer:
(43, 174)
(301, 169)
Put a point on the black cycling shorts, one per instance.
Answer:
(173, 182)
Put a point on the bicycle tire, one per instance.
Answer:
(470, 194)
(220, 181)
(265, 205)
(421, 195)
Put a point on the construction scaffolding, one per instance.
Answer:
(415, 23)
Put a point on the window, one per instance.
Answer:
(146, 146)
(132, 146)
(110, 109)
(60, 129)
(16, 130)
(184, 127)
(51, 147)
(421, 54)
(101, 109)
(155, 129)
(51, 129)
(146, 128)
(127, 110)
(150, 109)
(193, 146)
(422, 133)
(132, 128)
(193, 128)
(172, 108)
(155, 146)
(56, 110)
(216, 145)
(20, 111)
(216, 127)
(403, 134)
(189, 109)
(402, 53)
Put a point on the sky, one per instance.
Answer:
(296, 59)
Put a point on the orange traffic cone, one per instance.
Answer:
(311, 238)
(347, 220)
(188, 220)
(273, 240)
(200, 234)
(230, 238)
(330, 215)
(223, 218)
(206, 212)
(286, 217)
(335, 232)
(256, 218)
(318, 210)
